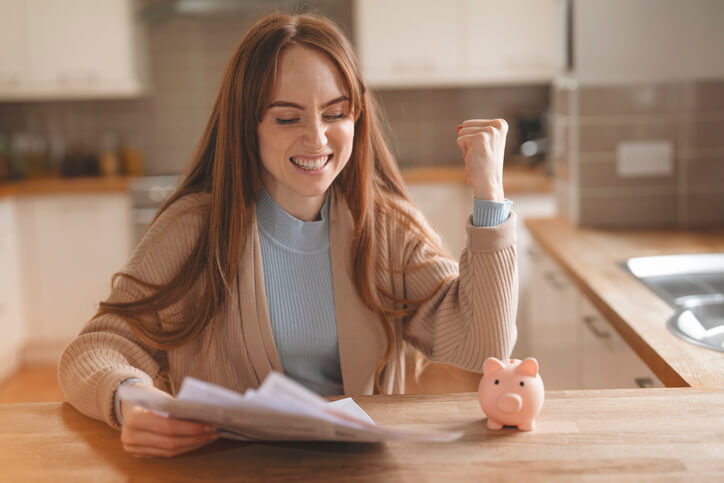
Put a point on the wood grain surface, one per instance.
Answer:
(593, 259)
(49, 186)
(636, 434)
(516, 178)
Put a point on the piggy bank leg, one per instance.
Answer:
(492, 424)
(527, 426)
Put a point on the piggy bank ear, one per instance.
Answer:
(529, 367)
(491, 366)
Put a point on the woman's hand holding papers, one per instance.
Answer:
(145, 433)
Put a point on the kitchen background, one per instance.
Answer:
(616, 110)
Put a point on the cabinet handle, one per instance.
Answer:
(557, 283)
(590, 321)
(644, 382)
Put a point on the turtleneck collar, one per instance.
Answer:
(291, 232)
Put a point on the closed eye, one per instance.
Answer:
(336, 116)
(287, 121)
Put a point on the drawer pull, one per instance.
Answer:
(644, 382)
(590, 321)
(555, 280)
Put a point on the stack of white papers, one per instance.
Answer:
(280, 410)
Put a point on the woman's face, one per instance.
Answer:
(305, 136)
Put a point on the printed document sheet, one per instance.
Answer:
(279, 410)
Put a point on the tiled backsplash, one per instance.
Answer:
(188, 56)
(422, 121)
(589, 122)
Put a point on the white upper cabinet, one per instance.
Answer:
(407, 43)
(12, 29)
(647, 41)
(512, 40)
(70, 49)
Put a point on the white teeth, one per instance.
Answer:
(316, 163)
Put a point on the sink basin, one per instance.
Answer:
(693, 284)
(677, 278)
(701, 323)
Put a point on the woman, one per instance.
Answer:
(292, 245)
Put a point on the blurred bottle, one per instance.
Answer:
(109, 161)
(131, 157)
(5, 165)
(56, 154)
(72, 161)
(20, 149)
(79, 160)
(37, 156)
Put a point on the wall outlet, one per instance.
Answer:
(644, 158)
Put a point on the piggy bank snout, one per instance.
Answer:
(510, 403)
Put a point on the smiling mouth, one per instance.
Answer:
(311, 164)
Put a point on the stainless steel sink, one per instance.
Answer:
(694, 285)
(701, 323)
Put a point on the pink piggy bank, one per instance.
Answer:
(511, 394)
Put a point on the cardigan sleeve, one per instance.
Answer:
(107, 351)
(468, 309)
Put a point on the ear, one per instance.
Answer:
(491, 366)
(528, 367)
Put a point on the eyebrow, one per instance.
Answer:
(301, 108)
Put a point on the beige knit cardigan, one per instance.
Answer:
(469, 318)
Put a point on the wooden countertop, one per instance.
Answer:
(643, 434)
(592, 258)
(516, 178)
(64, 186)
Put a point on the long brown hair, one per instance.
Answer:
(226, 165)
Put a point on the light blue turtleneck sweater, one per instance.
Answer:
(300, 293)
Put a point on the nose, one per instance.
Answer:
(510, 403)
(315, 135)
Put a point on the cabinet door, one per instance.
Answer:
(447, 207)
(407, 42)
(12, 334)
(12, 43)
(553, 336)
(512, 40)
(74, 245)
(74, 48)
(527, 205)
(75, 43)
(607, 362)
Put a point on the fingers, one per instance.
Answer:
(482, 137)
(147, 434)
(471, 124)
(140, 451)
(481, 132)
(145, 420)
(144, 443)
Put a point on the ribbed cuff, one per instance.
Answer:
(490, 213)
(105, 390)
(492, 238)
(117, 400)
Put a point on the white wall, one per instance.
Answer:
(629, 41)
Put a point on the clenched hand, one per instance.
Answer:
(483, 144)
